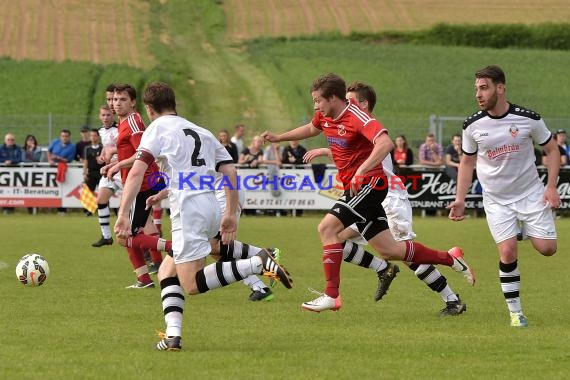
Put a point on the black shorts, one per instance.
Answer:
(365, 208)
(139, 213)
(92, 180)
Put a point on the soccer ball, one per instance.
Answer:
(32, 269)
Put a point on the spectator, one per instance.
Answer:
(31, 152)
(237, 138)
(402, 154)
(293, 154)
(563, 156)
(272, 158)
(561, 140)
(224, 139)
(431, 153)
(10, 153)
(453, 156)
(91, 165)
(61, 149)
(252, 155)
(83, 143)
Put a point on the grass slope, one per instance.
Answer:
(83, 324)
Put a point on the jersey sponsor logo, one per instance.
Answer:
(513, 130)
(483, 134)
(341, 142)
(501, 150)
(341, 131)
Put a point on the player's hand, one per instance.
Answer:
(122, 227)
(156, 198)
(112, 169)
(456, 210)
(552, 197)
(268, 136)
(314, 153)
(228, 228)
(355, 184)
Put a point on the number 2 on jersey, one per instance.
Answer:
(197, 145)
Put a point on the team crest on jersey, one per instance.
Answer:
(341, 131)
(514, 130)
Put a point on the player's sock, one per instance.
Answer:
(332, 260)
(155, 257)
(150, 242)
(157, 218)
(223, 273)
(254, 283)
(435, 280)
(355, 254)
(238, 250)
(420, 254)
(104, 218)
(510, 284)
(172, 296)
(136, 256)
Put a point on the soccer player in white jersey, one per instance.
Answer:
(498, 139)
(189, 154)
(399, 212)
(107, 187)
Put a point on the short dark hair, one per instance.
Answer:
(124, 87)
(94, 130)
(110, 88)
(330, 85)
(65, 131)
(364, 92)
(495, 73)
(160, 97)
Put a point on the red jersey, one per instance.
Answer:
(130, 132)
(350, 137)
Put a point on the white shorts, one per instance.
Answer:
(399, 213)
(535, 215)
(195, 220)
(114, 184)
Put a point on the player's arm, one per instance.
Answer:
(383, 145)
(299, 133)
(228, 225)
(553, 167)
(318, 152)
(464, 178)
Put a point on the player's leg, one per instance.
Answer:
(104, 194)
(172, 298)
(157, 218)
(159, 244)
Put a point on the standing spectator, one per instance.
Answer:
(453, 157)
(272, 158)
(10, 155)
(561, 140)
(91, 165)
(61, 149)
(253, 154)
(293, 153)
(563, 157)
(513, 192)
(237, 138)
(83, 143)
(402, 154)
(431, 153)
(224, 139)
(31, 152)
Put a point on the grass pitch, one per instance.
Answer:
(83, 324)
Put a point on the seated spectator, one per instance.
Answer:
(253, 154)
(10, 153)
(83, 143)
(293, 154)
(31, 152)
(563, 156)
(453, 154)
(431, 153)
(61, 149)
(224, 139)
(560, 137)
(402, 154)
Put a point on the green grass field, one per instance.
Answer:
(83, 324)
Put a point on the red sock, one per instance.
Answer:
(157, 218)
(156, 256)
(149, 242)
(418, 253)
(137, 260)
(332, 259)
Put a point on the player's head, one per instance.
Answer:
(329, 94)
(124, 99)
(159, 99)
(94, 136)
(109, 91)
(490, 87)
(363, 94)
(106, 116)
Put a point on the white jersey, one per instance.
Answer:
(109, 135)
(189, 154)
(505, 152)
(396, 188)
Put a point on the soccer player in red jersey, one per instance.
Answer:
(359, 144)
(144, 234)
